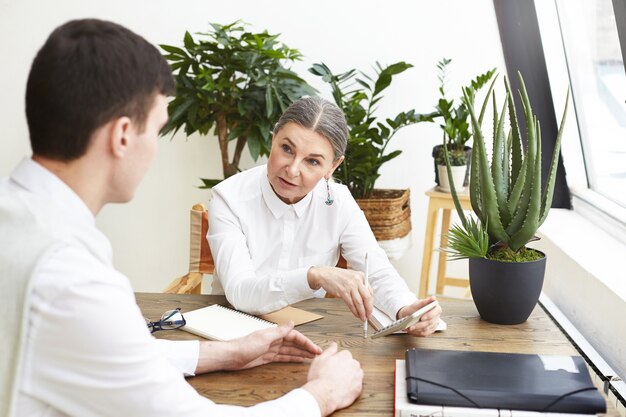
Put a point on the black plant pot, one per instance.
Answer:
(506, 292)
(468, 156)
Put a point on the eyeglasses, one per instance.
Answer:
(170, 320)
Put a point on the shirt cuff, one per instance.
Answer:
(394, 305)
(182, 354)
(307, 405)
(296, 286)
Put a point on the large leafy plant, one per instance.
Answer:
(236, 82)
(454, 117)
(357, 94)
(505, 193)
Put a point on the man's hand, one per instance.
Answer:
(278, 344)
(346, 284)
(429, 321)
(335, 380)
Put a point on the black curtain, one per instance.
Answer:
(523, 52)
(619, 8)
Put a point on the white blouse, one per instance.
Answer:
(264, 247)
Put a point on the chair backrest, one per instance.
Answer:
(200, 258)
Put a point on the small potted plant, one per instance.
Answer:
(357, 94)
(236, 82)
(507, 199)
(455, 128)
(458, 168)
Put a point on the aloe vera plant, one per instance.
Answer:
(505, 193)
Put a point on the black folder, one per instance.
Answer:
(545, 383)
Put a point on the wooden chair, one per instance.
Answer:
(200, 258)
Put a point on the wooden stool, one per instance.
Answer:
(439, 200)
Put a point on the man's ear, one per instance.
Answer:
(334, 167)
(119, 136)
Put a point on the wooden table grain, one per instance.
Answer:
(466, 331)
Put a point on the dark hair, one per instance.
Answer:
(87, 73)
(322, 117)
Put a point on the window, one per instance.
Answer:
(598, 81)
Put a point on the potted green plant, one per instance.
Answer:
(236, 82)
(458, 167)
(357, 94)
(507, 199)
(455, 128)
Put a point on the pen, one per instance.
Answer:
(366, 279)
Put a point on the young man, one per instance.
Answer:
(74, 341)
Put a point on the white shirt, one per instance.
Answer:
(88, 351)
(264, 247)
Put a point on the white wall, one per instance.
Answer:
(150, 234)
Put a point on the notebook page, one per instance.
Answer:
(217, 322)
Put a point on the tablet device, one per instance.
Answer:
(405, 322)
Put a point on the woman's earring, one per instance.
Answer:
(329, 200)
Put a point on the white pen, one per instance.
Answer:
(366, 279)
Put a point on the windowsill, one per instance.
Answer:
(593, 249)
(585, 279)
(603, 376)
(602, 212)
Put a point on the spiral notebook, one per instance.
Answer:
(217, 322)
(384, 325)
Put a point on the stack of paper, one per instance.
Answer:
(404, 408)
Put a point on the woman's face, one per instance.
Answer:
(299, 158)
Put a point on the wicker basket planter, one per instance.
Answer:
(388, 213)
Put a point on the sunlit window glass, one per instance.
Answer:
(598, 80)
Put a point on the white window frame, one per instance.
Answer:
(606, 214)
(584, 276)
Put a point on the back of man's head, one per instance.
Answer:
(87, 73)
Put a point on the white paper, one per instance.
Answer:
(555, 362)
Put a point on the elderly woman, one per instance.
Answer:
(277, 230)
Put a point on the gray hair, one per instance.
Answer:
(321, 116)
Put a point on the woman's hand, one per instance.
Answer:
(277, 344)
(345, 284)
(429, 321)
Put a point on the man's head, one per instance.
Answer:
(87, 73)
(95, 102)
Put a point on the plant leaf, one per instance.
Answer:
(208, 183)
(549, 190)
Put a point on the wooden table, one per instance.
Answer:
(466, 331)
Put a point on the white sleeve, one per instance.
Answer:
(243, 288)
(182, 354)
(391, 292)
(89, 352)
